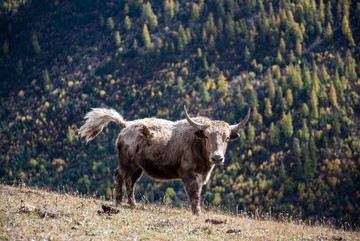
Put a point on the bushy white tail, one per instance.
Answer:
(96, 119)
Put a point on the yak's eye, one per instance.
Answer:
(206, 137)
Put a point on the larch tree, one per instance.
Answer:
(345, 29)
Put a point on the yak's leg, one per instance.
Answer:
(130, 186)
(193, 191)
(118, 187)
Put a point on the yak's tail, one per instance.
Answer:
(96, 119)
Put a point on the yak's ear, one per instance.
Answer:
(199, 134)
(234, 136)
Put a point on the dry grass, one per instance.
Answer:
(33, 214)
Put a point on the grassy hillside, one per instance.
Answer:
(295, 63)
(38, 214)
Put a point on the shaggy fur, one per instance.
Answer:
(165, 150)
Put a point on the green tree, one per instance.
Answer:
(117, 39)
(222, 84)
(298, 48)
(247, 55)
(282, 46)
(182, 39)
(296, 147)
(324, 76)
(229, 27)
(305, 131)
(153, 22)
(110, 24)
(345, 29)
(328, 33)
(195, 13)
(286, 125)
(274, 134)
(35, 43)
(204, 94)
(169, 11)
(19, 68)
(350, 67)
(329, 15)
(314, 104)
(304, 110)
(332, 97)
(127, 23)
(271, 91)
(251, 134)
(5, 48)
(146, 38)
(289, 98)
(268, 112)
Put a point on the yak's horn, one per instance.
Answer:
(192, 122)
(237, 127)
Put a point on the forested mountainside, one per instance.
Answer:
(295, 63)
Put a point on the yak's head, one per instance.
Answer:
(217, 134)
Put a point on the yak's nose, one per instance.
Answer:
(217, 158)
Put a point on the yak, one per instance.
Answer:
(187, 149)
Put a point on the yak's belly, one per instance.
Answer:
(158, 171)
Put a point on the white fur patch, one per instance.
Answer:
(203, 178)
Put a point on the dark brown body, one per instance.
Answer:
(165, 150)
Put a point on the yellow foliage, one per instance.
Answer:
(10, 173)
(21, 93)
(102, 92)
(249, 153)
(23, 118)
(328, 127)
(47, 104)
(70, 83)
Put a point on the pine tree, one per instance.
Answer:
(268, 112)
(286, 125)
(304, 110)
(169, 11)
(211, 44)
(229, 27)
(101, 21)
(254, 102)
(153, 22)
(321, 12)
(337, 85)
(350, 67)
(117, 39)
(324, 77)
(314, 104)
(247, 55)
(222, 84)
(182, 39)
(296, 147)
(274, 134)
(251, 134)
(19, 68)
(146, 38)
(345, 29)
(289, 98)
(307, 79)
(328, 33)
(271, 91)
(332, 97)
(298, 48)
(35, 43)
(110, 24)
(204, 94)
(5, 48)
(305, 131)
(257, 117)
(127, 23)
(195, 13)
(282, 46)
(329, 15)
